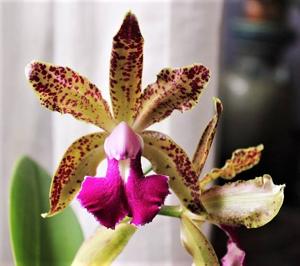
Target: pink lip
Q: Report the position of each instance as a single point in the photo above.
(110, 199)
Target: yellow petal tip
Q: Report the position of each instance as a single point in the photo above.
(48, 214)
(260, 147)
(218, 105)
(45, 215)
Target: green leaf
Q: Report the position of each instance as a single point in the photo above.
(37, 241)
(104, 246)
(196, 244)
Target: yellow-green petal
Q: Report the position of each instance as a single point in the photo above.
(126, 67)
(241, 160)
(196, 244)
(104, 246)
(207, 138)
(174, 89)
(80, 160)
(63, 90)
(167, 158)
(251, 203)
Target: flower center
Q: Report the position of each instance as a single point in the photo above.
(123, 143)
(124, 169)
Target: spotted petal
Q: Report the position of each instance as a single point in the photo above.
(81, 159)
(241, 160)
(251, 203)
(207, 138)
(169, 159)
(174, 89)
(196, 244)
(63, 90)
(126, 68)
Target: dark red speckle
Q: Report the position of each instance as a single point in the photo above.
(130, 28)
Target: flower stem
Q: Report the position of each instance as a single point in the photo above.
(171, 211)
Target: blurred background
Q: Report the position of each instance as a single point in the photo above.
(252, 48)
(259, 77)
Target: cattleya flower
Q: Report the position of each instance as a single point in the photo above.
(124, 191)
(251, 203)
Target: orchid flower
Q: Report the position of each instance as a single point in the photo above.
(251, 203)
(124, 191)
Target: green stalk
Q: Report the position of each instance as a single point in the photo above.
(171, 211)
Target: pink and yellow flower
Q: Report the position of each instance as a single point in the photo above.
(124, 191)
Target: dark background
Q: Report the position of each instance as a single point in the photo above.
(277, 243)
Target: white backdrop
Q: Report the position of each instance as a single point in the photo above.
(79, 34)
